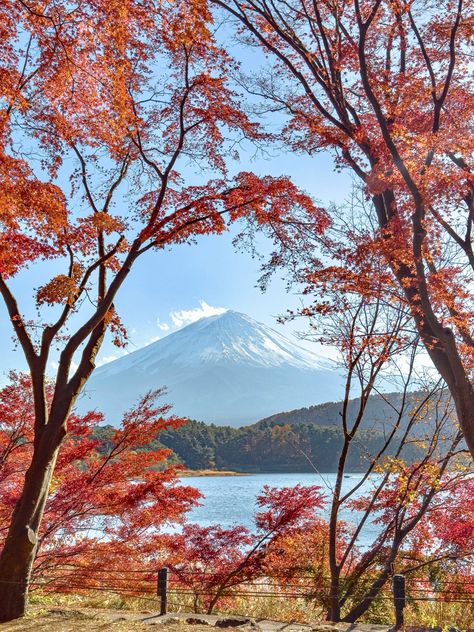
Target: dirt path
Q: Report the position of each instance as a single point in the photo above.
(64, 620)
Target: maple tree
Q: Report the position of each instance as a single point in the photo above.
(423, 543)
(211, 561)
(387, 86)
(108, 502)
(404, 493)
(103, 104)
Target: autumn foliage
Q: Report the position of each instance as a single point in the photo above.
(118, 125)
(108, 501)
(119, 129)
(212, 568)
(210, 561)
(387, 88)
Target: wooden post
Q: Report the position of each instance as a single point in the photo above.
(399, 595)
(162, 590)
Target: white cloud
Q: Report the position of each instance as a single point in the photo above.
(55, 366)
(180, 318)
(162, 326)
(187, 316)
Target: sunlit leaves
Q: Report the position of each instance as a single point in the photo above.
(108, 498)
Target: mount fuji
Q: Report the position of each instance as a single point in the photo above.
(224, 369)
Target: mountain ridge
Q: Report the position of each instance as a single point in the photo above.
(226, 368)
(250, 350)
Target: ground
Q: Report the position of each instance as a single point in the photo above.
(69, 620)
(90, 620)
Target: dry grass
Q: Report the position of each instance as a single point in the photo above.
(444, 615)
(108, 611)
(457, 616)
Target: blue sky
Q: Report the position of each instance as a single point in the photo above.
(167, 290)
(211, 275)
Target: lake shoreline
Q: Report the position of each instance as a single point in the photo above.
(193, 473)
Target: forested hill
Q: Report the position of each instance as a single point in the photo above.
(291, 442)
(273, 448)
(296, 448)
(380, 411)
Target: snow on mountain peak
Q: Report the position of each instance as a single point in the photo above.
(235, 337)
(225, 368)
(228, 338)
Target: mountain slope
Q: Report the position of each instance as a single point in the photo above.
(380, 411)
(222, 369)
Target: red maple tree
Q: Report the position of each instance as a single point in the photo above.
(104, 107)
(212, 561)
(353, 305)
(109, 499)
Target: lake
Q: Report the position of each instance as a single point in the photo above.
(230, 500)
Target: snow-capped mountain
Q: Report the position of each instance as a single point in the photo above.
(226, 369)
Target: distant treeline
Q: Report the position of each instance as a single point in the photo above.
(275, 448)
(266, 447)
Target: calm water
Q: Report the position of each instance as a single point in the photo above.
(230, 500)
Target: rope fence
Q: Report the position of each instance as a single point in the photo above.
(184, 588)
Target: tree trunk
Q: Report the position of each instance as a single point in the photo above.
(442, 349)
(462, 392)
(362, 607)
(19, 551)
(440, 342)
(334, 610)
